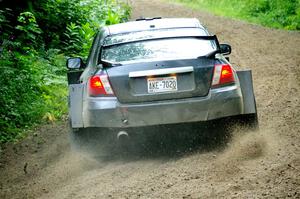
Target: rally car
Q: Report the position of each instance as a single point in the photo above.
(156, 71)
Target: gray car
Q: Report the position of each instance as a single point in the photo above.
(153, 72)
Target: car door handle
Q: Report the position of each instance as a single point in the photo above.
(164, 71)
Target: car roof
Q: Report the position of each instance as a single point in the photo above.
(153, 24)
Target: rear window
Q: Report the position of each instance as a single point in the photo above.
(162, 49)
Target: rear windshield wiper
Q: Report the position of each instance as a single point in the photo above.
(109, 63)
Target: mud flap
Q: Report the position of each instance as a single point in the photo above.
(75, 105)
(246, 83)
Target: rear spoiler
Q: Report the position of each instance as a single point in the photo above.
(148, 19)
(210, 37)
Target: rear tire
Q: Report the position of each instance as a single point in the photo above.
(93, 141)
(219, 132)
(249, 121)
(78, 139)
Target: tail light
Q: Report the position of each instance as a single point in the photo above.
(100, 86)
(223, 74)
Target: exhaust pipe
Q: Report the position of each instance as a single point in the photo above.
(122, 136)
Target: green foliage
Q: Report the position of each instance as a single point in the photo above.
(29, 30)
(87, 34)
(54, 23)
(272, 13)
(34, 41)
(29, 90)
(78, 36)
(73, 39)
(53, 17)
(5, 25)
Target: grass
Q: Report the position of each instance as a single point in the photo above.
(282, 14)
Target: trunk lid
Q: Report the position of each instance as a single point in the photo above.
(161, 80)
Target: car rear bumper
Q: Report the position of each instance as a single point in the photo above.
(108, 112)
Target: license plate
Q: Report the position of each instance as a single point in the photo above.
(162, 84)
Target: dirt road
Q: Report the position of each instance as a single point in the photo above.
(263, 164)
